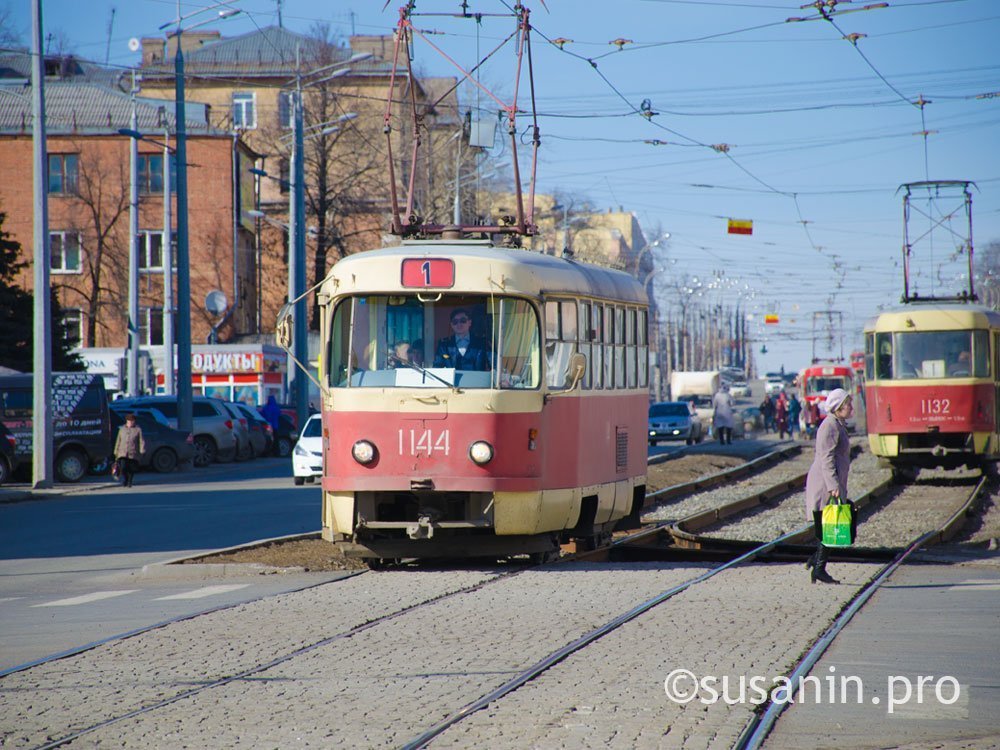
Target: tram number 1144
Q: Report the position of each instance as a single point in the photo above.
(935, 406)
(414, 442)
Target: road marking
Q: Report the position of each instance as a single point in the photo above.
(976, 585)
(203, 592)
(10, 598)
(86, 598)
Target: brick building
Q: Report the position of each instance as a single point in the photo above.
(89, 204)
(247, 83)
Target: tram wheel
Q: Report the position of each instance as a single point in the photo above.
(904, 474)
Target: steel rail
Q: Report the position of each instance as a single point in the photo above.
(559, 655)
(760, 725)
(278, 659)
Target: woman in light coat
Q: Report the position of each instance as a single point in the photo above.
(129, 448)
(828, 473)
(723, 418)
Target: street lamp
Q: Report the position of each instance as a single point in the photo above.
(185, 416)
(167, 259)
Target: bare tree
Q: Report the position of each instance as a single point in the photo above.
(101, 202)
(9, 36)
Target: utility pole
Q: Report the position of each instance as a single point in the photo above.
(133, 256)
(185, 415)
(297, 261)
(168, 270)
(42, 416)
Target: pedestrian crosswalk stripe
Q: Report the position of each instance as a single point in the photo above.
(204, 591)
(86, 598)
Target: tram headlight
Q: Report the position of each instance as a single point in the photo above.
(481, 452)
(363, 452)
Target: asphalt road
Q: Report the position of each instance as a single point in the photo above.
(71, 565)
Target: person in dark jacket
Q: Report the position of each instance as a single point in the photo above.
(129, 447)
(828, 474)
(462, 350)
(272, 413)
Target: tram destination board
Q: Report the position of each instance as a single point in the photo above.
(422, 273)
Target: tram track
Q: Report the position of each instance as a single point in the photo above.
(764, 717)
(255, 671)
(249, 670)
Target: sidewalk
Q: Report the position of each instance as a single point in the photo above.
(939, 622)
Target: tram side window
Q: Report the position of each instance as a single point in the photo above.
(560, 341)
(883, 344)
(597, 337)
(981, 354)
(585, 335)
(630, 351)
(619, 347)
(643, 349)
(609, 348)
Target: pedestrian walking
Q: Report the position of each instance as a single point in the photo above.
(129, 447)
(794, 410)
(781, 414)
(767, 412)
(827, 476)
(723, 418)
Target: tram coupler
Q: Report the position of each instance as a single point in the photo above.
(422, 529)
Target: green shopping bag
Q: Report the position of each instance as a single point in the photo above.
(837, 523)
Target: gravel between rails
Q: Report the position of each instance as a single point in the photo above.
(728, 493)
(57, 698)
(766, 522)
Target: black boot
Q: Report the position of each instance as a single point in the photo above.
(819, 566)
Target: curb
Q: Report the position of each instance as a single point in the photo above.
(180, 567)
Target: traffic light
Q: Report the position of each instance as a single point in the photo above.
(763, 349)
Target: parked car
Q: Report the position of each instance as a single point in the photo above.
(166, 447)
(307, 457)
(740, 389)
(751, 420)
(773, 386)
(675, 420)
(8, 446)
(241, 429)
(286, 437)
(213, 425)
(80, 421)
(261, 434)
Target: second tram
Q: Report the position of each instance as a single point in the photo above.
(479, 401)
(817, 380)
(932, 390)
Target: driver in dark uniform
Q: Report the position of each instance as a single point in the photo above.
(462, 350)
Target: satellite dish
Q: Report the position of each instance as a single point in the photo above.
(133, 45)
(216, 302)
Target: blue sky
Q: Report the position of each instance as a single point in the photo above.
(821, 130)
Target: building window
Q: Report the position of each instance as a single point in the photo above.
(72, 318)
(64, 251)
(244, 110)
(64, 173)
(151, 326)
(151, 250)
(284, 175)
(150, 169)
(286, 109)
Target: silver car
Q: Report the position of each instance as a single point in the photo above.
(213, 425)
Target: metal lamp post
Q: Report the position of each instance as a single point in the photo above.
(167, 259)
(185, 416)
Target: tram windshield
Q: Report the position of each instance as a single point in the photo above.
(934, 354)
(461, 341)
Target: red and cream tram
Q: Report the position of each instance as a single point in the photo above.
(479, 401)
(817, 380)
(933, 395)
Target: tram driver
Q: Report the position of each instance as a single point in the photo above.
(462, 350)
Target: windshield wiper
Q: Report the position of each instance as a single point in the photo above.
(422, 370)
